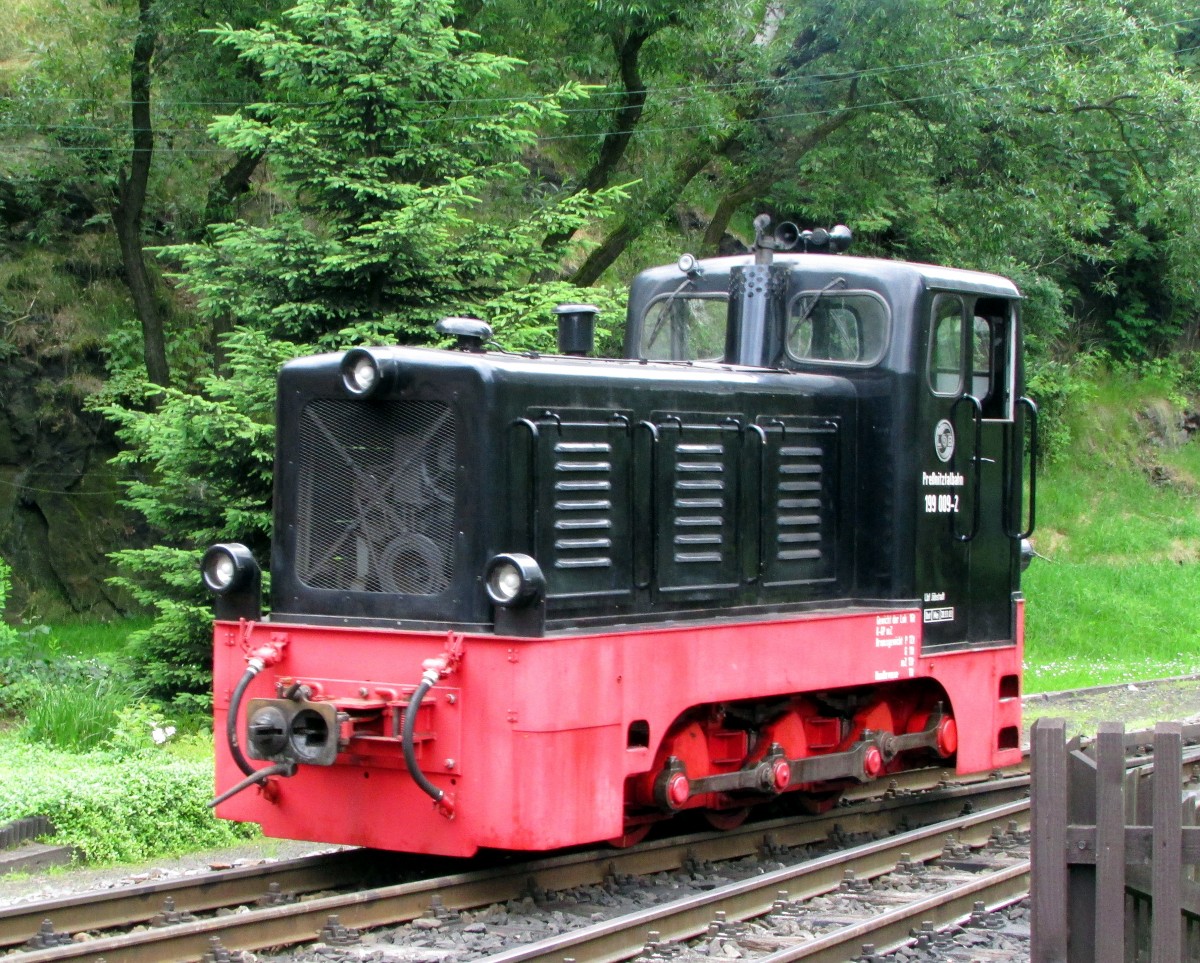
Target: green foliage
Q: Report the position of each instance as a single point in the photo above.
(523, 319)
(116, 807)
(403, 199)
(8, 635)
(25, 678)
(203, 463)
(78, 715)
(1060, 390)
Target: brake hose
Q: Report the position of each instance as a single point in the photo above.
(406, 740)
(235, 704)
(256, 775)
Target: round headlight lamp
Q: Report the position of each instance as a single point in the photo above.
(514, 580)
(362, 373)
(227, 568)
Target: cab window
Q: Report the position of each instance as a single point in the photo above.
(981, 359)
(843, 327)
(946, 346)
(684, 329)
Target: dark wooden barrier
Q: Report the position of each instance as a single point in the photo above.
(1114, 848)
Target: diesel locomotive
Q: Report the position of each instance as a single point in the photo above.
(524, 601)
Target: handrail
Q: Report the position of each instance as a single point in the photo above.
(531, 500)
(652, 492)
(760, 539)
(1010, 529)
(976, 459)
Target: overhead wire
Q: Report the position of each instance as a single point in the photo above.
(691, 90)
(1130, 29)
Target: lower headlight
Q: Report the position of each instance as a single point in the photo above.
(514, 580)
(228, 568)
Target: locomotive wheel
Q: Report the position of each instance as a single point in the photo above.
(726, 819)
(631, 837)
(818, 803)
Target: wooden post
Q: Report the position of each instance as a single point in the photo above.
(1048, 874)
(1166, 920)
(1110, 843)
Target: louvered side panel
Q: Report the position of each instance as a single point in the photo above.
(696, 479)
(584, 532)
(799, 503)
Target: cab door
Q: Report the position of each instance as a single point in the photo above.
(967, 558)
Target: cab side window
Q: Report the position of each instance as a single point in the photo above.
(992, 357)
(981, 359)
(946, 345)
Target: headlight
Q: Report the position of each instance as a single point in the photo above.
(228, 568)
(364, 374)
(514, 580)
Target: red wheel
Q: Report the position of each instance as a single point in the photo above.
(726, 819)
(631, 837)
(817, 803)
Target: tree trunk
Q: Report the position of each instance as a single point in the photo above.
(764, 180)
(728, 206)
(131, 200)
(647, 209)
(616, 141)
(232, 184)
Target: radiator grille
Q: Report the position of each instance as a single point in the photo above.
(376, 497)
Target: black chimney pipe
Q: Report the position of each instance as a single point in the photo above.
(576, 328)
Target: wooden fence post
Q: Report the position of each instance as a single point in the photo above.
(1048, 817)
(1110, 843)
(1167, 871)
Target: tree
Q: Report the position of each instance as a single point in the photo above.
(405, 199)
(400, 201)
(130, 199)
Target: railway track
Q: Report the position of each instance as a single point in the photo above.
(264, 919)
(786, 927)
(793, 905)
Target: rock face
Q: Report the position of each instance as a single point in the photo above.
(59, 515)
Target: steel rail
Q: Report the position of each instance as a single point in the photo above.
(282, 925)
(891, 930)
(624, 937)
(130, 905)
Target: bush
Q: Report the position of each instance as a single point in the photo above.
(114, 807)
(77, 715)
(1060, 389)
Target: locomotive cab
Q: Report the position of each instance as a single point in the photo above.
(774, 548)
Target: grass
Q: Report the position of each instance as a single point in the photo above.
(1118, 597)
(87, 638)
(78, 714)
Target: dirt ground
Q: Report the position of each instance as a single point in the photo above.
(1138, 706)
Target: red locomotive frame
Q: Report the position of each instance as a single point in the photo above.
(530, 738)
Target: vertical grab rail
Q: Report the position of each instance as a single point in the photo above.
(651, 509)
(977, 470)
(760, 539)
(532, 491)
(1013, 528)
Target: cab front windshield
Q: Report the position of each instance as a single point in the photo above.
(838, 327)
(677, 328)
